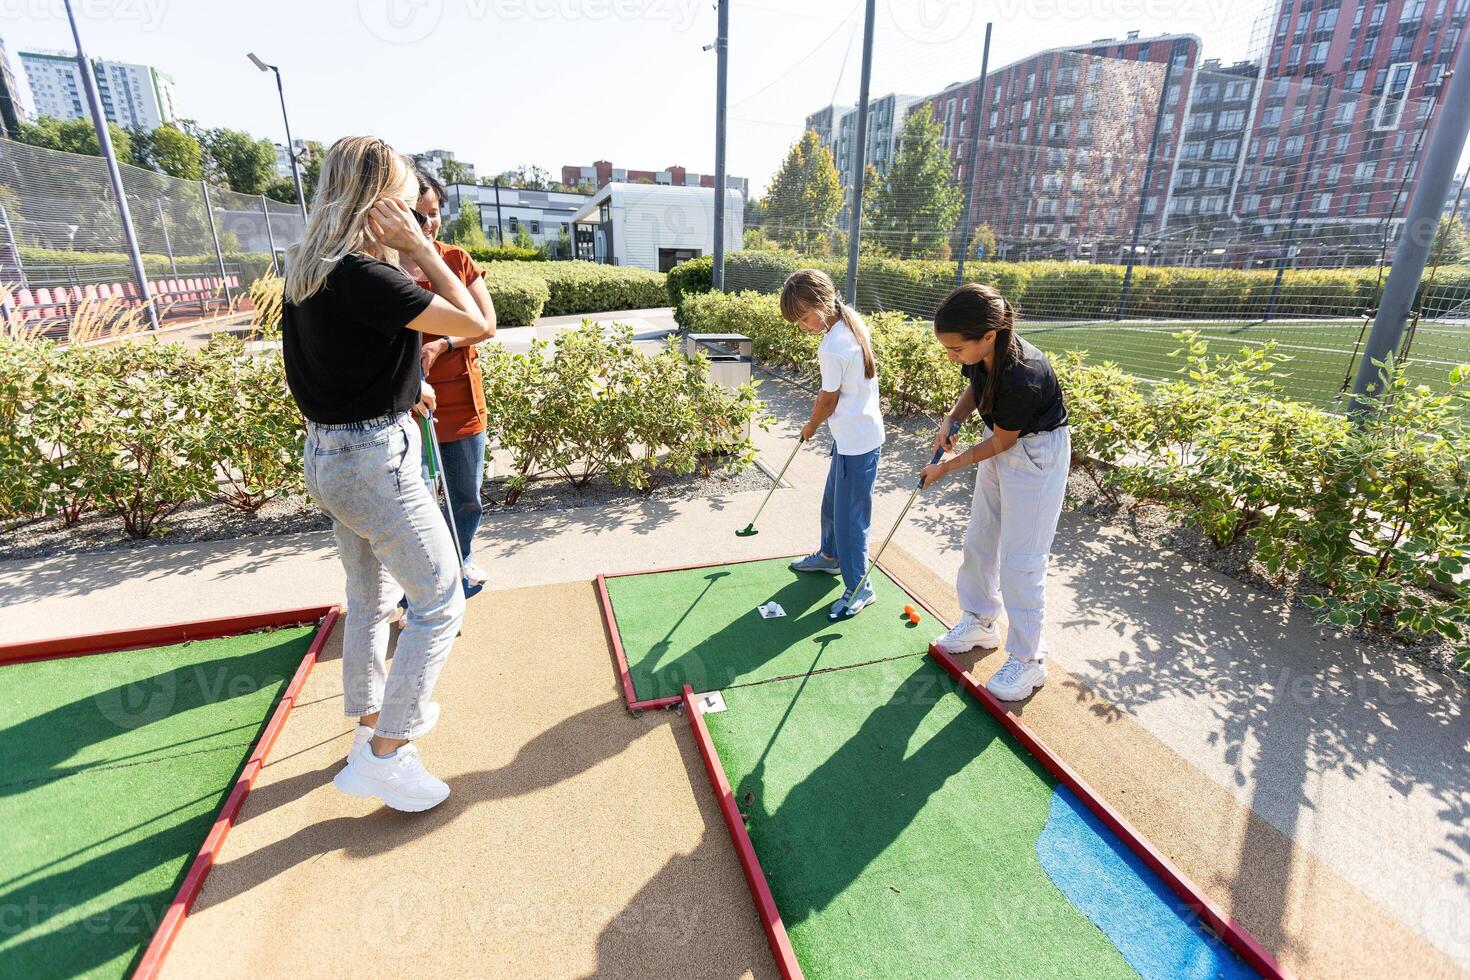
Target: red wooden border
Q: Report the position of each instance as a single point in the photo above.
(84, 644)
(173, 918)
(615, 640)
(1235, 936)
(202, 629)
(755, 875)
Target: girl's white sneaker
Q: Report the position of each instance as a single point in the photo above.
(1017, 680)
(970, 632)
(400, 780)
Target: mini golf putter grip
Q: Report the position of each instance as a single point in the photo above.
(954, 430)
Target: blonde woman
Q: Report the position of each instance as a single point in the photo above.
(849, 404)
(350, 331)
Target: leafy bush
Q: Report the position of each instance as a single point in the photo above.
(506, 253)
(519, 298)
(254, 438)
(687, 278)
(598, 406)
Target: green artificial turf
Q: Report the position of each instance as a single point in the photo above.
(115, 768)
(700, 627)
(897, 825)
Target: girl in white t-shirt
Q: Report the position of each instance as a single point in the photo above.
(849, 405)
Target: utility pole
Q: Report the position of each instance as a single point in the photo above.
(1419, 231)
(860, 158)
(104, 140)
(972, 159)
(722, 66)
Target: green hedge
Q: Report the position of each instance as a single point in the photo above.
(506, 253)
(252, 264)
(519, 297)
(1083, 291)
(572, 287)
(1224, 449)
(693, 276)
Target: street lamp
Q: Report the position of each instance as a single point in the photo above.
(290, 147)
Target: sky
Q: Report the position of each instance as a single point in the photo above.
(503, 83)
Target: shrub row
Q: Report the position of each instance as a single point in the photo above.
(506, 253)
(1077, 290)
(139, 429)
(1375, 514)
(565, 288)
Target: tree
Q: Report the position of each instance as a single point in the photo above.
(1451, 242)
(523, 237)
(982, 237)
(169, 150)
(451, 171)
(918, 202)
(75, 136)
(234, 159)
(465, 229)
(527, 177)
(801, 205)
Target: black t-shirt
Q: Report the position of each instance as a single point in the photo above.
(1028, 399)
(348, 358)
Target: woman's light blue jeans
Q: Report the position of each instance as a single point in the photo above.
(367, 477)
(847, 512)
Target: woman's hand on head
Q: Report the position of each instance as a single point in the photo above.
(394, 225)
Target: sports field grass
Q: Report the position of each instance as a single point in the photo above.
(1321, 351)
(115, 767)
(700, 626)
(904, 833)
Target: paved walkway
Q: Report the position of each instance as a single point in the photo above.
(1352, 764)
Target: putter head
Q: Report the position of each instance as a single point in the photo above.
(747, 531)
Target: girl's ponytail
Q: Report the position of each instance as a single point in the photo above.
(972, 311)
(864, 337)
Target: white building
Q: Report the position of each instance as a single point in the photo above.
(544, 215)
(434, 160)
(131, 95)
(655, 227)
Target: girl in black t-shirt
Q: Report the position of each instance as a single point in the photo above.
(1020, 480)
(350, 330)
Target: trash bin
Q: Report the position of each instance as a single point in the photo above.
(730, 356)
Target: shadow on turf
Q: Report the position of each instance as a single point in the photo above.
(44, 743)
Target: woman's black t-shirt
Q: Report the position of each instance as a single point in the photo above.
(1028, 398)
(348, 356)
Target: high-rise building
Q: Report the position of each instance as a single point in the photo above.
(1347, 94)
(131, 95)
(1217, 125)
(824, 121)
(602, 172)
(434, 160)
(886, 114)
(1064, 142)
(12, 112)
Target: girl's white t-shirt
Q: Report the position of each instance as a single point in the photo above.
(857, 424)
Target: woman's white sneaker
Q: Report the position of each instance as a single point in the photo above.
(970, 632)
(365, 732)
(1017, 680)
(400, 780)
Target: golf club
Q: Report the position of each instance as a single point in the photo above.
(436, 474)
(954, 428)
(749, 529)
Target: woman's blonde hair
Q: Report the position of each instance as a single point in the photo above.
(813, 289)
(357, 172)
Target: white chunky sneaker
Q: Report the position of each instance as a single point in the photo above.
(473, 572)
(400, 780)
(970, 632)
(1017, 680)
(365, 732)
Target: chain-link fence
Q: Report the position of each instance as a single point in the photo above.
(1123, 191)
(63, 256)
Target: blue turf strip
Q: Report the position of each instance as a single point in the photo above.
(1134, 908)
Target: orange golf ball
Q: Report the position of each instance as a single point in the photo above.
(914, 618)
(908, 610)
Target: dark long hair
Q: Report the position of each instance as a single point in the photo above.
(428, 182)
(972, 311)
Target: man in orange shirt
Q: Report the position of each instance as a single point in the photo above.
(453, 372)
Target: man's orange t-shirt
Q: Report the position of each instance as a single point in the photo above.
(455, 375)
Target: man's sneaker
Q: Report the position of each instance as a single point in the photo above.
(1017, 680)
(817, 562)
(473, 572)
(365, 732)
(400, 780)
(970, 632)
(850, 605)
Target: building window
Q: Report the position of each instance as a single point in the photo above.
(1390, 109)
